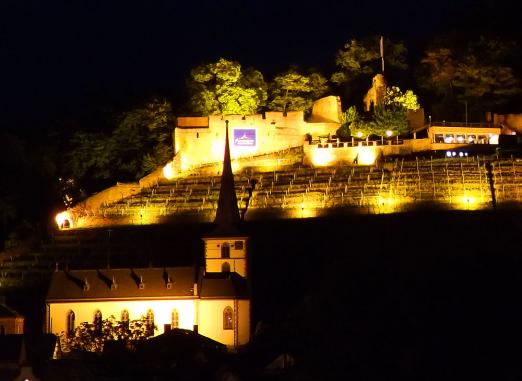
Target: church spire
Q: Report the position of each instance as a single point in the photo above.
(227, 215)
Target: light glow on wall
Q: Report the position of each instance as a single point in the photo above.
(470, 202)
(366, 155)
(185, 164)
(64, 219)
(322, 157)
(235, 166)
(168, 171)
(388, 204)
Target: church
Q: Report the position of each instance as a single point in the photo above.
(213, 301)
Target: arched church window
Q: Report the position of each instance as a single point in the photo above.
(125, 317)
(69, 326)
(225, 250)
(150, 322)
(175, 319)
(228, 318)
(98, 322)
(225, 267)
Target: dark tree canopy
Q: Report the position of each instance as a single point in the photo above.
(140, 142)
(363, 58)
(480, 73)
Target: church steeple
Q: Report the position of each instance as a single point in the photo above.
(227, 215)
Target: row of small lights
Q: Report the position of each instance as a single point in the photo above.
(455, 154)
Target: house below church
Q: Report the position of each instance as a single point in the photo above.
(11, 322)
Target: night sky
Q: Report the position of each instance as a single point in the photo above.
(63, 59)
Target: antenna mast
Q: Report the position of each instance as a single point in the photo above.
(382, 53)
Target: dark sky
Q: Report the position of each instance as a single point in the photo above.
(64, 57)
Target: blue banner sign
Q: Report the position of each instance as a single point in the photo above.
(245, 137)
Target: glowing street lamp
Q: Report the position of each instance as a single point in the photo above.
(359, 134)
(389, 133)
(64, 220)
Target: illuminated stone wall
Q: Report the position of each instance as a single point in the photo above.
(367, 153)
(201, 140)
(416, 119)
(512, 121)
(327, 109)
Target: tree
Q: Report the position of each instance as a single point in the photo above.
(359, 60)
(87, 338)
(489, 84)
(350, 120)
(293, 91)
(389, 121)
(397, 99)
(477, 72)
(223, 88)
(140, 143)
(23, 165)
(440, 67)
(362, 58)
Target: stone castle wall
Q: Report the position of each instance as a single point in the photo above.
(201, 140)
(512, 121)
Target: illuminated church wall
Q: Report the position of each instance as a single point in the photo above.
(213, 327)
(209, 318)
(84, 312)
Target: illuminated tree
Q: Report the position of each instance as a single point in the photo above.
(350, 120)
(389, 121)
(395, 98)
(86, 338)
(293, 91)
(223, 88)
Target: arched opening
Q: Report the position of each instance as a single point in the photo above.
(150, 322)
(69, 326)
(125, 317)
(228, 318)
(225, 267)
(98, 322)
(175, 319)
(225, 250)
(2, 330)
